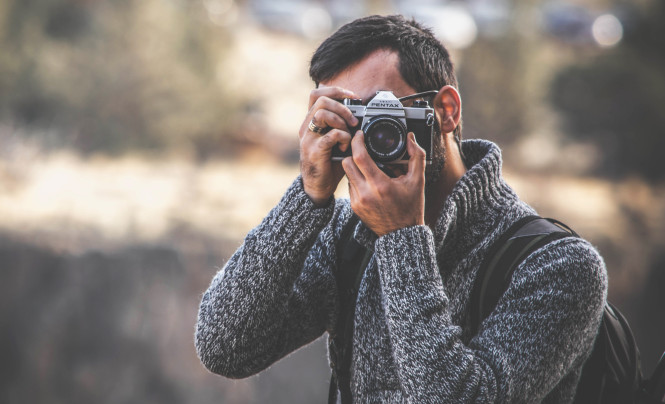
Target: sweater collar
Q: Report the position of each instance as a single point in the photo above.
(477, 196)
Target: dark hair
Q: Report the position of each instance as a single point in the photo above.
(424, 62)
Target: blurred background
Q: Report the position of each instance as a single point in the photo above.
(140, 141)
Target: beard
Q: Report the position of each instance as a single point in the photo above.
(433, 171)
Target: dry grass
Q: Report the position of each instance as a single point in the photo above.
(76, 204)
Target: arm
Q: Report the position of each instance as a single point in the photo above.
(542, 327)
(268, 300)
(263, 304)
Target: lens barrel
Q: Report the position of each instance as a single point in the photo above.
(385, 138)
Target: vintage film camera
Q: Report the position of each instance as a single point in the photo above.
(386, 122)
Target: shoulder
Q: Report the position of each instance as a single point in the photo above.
(570, 265)
(568, 252)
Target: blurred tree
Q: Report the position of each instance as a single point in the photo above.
(501, 79)
(115, 76)
(494, 96)
(616, 100)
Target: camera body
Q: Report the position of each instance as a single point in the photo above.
(386, 123)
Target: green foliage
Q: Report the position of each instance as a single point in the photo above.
(494, 94)
(617, 100)
(113, 76)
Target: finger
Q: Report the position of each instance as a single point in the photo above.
(354, 175)
(328, 104)
(416, 158)
(353, 197)
(365, 164)
(332, 138)
(327, 119)
(333, 92)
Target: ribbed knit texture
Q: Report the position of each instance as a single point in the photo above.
(411, 342)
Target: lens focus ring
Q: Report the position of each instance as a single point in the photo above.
(385, 138)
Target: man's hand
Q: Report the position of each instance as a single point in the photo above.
(320, 176)
(386, 204)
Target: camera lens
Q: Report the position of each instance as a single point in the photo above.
(384, 141)
(385, 138)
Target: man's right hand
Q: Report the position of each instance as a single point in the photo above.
(320, 175)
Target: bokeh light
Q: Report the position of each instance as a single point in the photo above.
(316, 22)
(607, 30)
(456, 27)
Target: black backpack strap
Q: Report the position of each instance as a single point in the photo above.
(653, 389)
(352, 259)
(612, 373)
(521, 239)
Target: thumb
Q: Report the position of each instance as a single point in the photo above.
(416, 157)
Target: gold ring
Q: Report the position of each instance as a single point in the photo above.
(314, 127)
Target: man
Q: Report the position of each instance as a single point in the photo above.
(429, 226)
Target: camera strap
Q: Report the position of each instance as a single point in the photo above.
(352, 259)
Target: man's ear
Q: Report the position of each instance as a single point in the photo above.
(448, 108)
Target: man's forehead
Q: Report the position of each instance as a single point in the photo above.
(379, 71)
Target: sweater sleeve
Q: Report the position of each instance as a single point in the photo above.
(544, 324)
(266, 301)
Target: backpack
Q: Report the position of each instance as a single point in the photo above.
(611, 374)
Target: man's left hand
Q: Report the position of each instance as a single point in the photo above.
(383, 203)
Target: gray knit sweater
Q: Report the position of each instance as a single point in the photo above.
(277, 293)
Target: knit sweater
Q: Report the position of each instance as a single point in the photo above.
(410, 342)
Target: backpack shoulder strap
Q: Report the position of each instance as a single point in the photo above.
(521, 239)
(653, 390)
(612, 373)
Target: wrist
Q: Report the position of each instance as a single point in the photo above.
(387, 230)
(319, 199)
(320, 202)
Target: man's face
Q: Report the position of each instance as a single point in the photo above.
(379, 71)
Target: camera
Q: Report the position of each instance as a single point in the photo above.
(386, 123)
